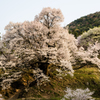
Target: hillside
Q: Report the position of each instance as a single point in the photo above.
(86, 77)
(84, 23)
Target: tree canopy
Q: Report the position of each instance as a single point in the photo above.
(84, 23)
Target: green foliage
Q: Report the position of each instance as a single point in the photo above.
(95, 32)
(83, 24)
(90, 37)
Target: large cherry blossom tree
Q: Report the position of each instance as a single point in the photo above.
(36, 44)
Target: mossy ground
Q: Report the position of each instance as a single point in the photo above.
(54, 90)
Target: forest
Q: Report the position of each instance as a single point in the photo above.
(84, 23)
(40, 59)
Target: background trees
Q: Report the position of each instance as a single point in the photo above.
(84, 24)
(89, 37)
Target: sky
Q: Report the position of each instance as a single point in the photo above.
(25, 10)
